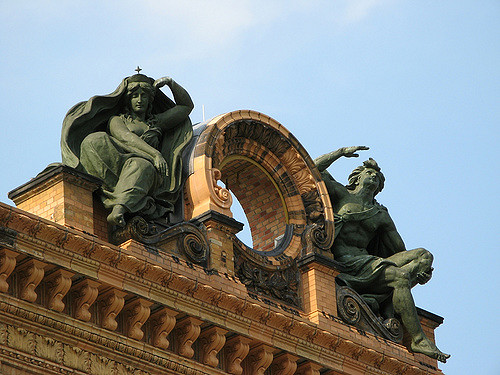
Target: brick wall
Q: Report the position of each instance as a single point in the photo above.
(260, 200)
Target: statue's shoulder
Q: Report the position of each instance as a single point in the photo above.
(381, 207)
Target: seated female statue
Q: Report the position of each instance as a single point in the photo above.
(132, 139)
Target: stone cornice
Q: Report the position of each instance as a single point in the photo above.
(20, 315)
(51, 175)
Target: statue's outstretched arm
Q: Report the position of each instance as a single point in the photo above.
(324, 161)
(182, 109)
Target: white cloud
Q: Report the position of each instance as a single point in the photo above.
(358, 10)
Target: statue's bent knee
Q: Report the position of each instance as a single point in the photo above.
(94, 140)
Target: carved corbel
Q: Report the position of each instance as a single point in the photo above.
(162, 321)
(31, 273)
(188, 331)
(137, 312)
(59, 283)
(259, 359)
(7, 265)
(86, 293)
(237, 349)
(309, 368)
(112, 303)
(284, 364)
(211, 342)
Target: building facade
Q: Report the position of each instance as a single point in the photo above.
(191, 298)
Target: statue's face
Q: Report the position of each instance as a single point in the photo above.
(139, 101)
(369, 178)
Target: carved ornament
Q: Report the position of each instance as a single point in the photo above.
(163, 321)
(7, 265)
(111, 304)
(85, 294)
(237, 349)
(188, 331)
(259, 359)
(211, 342)
(59, 283)
(355, 311)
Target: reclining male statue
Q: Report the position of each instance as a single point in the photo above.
(374, 260)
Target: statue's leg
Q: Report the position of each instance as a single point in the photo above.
(415, 262)
(404, 305)
(131, 192)
(137, 179)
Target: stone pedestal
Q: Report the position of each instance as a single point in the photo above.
(65, 196)
(219, 230)
(318, 287)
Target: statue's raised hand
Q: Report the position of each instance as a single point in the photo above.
(160, 82)
(350, 152)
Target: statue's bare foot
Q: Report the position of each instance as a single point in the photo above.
(427, 347)
(117, 215)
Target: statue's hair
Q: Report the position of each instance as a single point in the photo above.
(150, 90)
(354, 176)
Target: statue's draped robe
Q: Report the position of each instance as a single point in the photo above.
(362, 272)
(129, 178)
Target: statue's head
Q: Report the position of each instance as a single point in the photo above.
(365, 171)
(140, 84)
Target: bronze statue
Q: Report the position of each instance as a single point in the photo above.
(132, 139)
(371, 253)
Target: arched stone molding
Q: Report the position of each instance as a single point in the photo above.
(276, 182)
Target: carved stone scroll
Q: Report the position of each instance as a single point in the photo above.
(137, 312)
(7, 265)
(163, 321)
(31, 273)
(237, 349)
(222, 196)
(59, 283)
(112, 303)
(211, 342)
(188, 331)
(259, 359)
(284, 364)
(86, 293)
(354, 310)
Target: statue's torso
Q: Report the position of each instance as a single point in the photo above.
(136, 126)
(360, 224)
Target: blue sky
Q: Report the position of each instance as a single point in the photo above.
(417, 81)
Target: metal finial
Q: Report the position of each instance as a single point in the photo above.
(138, 70)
